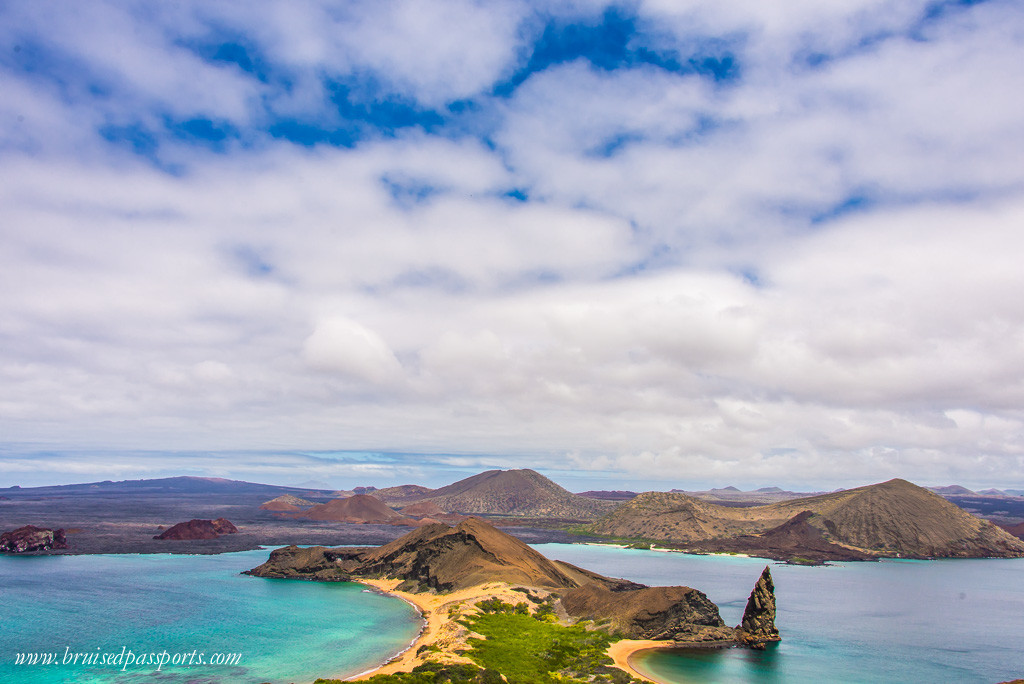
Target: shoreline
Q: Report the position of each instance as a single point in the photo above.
(622, 652)
(440, 635)
(441, 630)
(412, 644)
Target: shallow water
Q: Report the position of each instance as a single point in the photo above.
(892, 621)
(285, 630)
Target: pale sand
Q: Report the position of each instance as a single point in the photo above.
(439, 612)
(621, 651)
(440, 628)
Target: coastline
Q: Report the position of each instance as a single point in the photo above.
(441, 635)
(622, 652)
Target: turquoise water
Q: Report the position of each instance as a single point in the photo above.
(286, 631)
(892, 621)
(895, 621)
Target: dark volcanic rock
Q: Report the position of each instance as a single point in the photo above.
(198, 529)
(758, 625)
(31, 538)
(677, 613)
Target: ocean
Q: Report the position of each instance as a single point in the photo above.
(285, 631)
(893, 621)
(890, 621)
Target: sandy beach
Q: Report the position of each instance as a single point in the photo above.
(441, 635)
(621, 651)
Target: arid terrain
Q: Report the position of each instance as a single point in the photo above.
(894, 518)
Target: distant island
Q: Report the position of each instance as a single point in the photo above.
(455, 575)
(894, 519)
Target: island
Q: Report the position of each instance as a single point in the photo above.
(473, 580)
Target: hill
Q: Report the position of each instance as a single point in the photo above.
(286, 503)
(164, 485)
(524, 493)
(198, 529)
(475, 555)
(894, 518)
(434, 558)
(401, 493)
(360, 508)
(952, 490)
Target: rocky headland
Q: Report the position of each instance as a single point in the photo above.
(30, 538)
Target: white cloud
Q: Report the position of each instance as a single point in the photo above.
(343, 346)
(662, 301)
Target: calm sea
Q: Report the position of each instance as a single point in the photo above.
(892, 621)
(895, 621)
(286, 631)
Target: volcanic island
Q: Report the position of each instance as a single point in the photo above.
(472, 581)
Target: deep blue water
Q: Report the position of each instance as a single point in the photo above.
(286, 631)
(892, 621)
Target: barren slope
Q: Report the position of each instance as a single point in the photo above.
(894, 518)
(358, 509)
(524, 493)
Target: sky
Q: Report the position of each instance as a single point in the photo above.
(646, 244)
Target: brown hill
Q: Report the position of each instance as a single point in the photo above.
(286, 502)
(361, 508)
(894, 518)
(422, 509)
(438, 558)
(524, 493)
(198, 529)
(401, 493)
(796, 539)
(434, 557)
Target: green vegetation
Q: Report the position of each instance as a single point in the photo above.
(433, 673)
(527, 650)
(519, 648)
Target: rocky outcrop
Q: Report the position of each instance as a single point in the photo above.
(676, 613)
(758, 624)
(198, 529)
(30, 538)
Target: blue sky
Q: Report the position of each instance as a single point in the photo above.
(651, 242)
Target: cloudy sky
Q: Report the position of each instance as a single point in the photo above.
(686, 243)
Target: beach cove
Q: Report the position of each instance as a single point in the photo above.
(898, 621)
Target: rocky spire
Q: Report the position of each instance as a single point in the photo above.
(758, 624)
